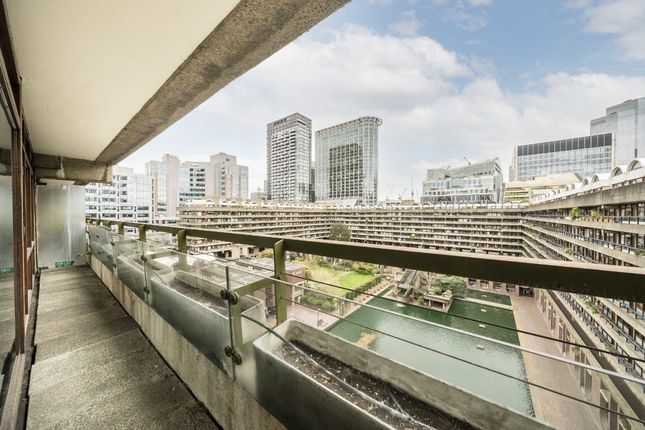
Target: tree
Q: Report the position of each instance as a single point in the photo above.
(340, 232)
(575, 213)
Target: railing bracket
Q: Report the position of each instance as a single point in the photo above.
(235, 356)
(233, 297)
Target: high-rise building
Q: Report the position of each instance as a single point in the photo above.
(347, 161)
(476, 183)
(128, 197)
(229, 179)
(627, 122)
(165, 186)
(289, 158)
(585, 155)
(192, 181)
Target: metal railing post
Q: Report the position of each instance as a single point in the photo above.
(182, 244)
(182, 247)
(280, 289)
(142, 233)
(234, 321)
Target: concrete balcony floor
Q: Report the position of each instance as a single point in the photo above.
(95, 369)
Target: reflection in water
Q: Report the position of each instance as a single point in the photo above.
(503, 390)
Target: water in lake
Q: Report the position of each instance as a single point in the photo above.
(501, 389)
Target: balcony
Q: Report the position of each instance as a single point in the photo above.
(248, 337)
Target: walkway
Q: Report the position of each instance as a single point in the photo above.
(485, 302)
(95, 369)
(549, 407)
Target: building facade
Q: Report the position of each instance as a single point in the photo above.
(585, 155)
(528, 191)
(229, 179)
(192, 181)
(627, 122)
(128, 197)
(289, 158)
(347, 161)
(476, 183)
(165, 187)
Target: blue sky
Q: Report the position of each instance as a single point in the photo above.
(450, 79)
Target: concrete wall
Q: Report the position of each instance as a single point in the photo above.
(231, 406)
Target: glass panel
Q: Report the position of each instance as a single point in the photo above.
(101, 244)
(61, 225)
(7, 321)
(186, 292)
(129, 266)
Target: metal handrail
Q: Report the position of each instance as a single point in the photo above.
(594, 279)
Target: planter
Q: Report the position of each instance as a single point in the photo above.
(299, 400)
(196, 310)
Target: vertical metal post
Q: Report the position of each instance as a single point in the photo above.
(142, 233)
(279, 288)
(182, 244)
(182, 247)
(234, 322)
(17, 180)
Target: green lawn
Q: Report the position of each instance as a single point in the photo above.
(354, 280)
(338, 276)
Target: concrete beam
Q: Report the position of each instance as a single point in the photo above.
(63, 168)
(620, 195)
(252, 32)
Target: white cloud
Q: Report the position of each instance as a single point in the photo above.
(625, 19)
(437, 106)
(479, 2)
(407, 25)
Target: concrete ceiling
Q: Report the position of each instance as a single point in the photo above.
(89, 66)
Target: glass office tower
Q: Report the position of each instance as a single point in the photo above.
(627, 122)
(347, 162)
(476, 183)
(289, 158)
(583, 155)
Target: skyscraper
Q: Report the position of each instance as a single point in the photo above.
(229, 179)
(347, 161)
(289, 158)
(627, 122)
(585, 155)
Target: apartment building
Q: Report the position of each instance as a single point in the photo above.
(192, 181)
(528, 191)
(165, 186)
(127, 197)
(347, 162)
(229, 179)
(289, 158)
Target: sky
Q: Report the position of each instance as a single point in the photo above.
(449, 78)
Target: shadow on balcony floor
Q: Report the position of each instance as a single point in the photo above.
(95, 369)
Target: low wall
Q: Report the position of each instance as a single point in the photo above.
(230, 405)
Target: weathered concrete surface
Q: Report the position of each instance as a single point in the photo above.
(227, 401)
(95, 369)
(251, 32)
(632, 193)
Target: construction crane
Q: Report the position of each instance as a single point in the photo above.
(467, 161)
(403, 192)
